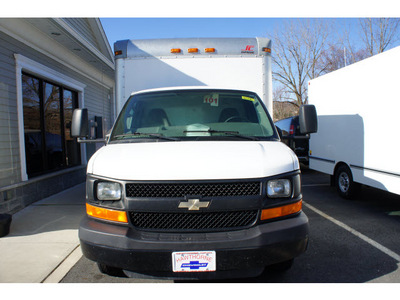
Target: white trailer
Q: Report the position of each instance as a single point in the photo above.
(238, 63)
(357, 117)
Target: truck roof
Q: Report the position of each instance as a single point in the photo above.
(257, 46)
(181, 88)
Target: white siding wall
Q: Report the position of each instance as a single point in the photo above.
(96, 99)
(82, 26)
(9, 140)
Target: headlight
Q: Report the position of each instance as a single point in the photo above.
(278, 188)
(108, 191)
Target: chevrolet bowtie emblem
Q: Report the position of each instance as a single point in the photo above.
(194, 204)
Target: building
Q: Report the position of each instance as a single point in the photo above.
(48, 67)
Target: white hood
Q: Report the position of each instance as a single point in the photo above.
(192, 160)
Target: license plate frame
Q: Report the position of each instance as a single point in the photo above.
(194, 261)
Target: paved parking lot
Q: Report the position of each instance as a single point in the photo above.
(351, 241)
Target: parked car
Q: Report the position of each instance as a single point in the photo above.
(289, 130)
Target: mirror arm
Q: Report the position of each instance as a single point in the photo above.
(89, 141)
(297, 137)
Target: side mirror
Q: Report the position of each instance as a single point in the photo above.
(80, 123)
(308, 119)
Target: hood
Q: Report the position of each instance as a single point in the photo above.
(208, 160)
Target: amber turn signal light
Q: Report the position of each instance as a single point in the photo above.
(209, 50)
(281, 211)
(106, 214)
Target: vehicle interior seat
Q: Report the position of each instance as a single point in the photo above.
(156, 117)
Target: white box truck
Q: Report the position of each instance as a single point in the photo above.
(193, 181)
(357, 115)
(241, 63)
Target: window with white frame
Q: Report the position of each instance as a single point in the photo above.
(41, 91)
(47, 115)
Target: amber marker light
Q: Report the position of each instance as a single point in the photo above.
(209, 50)
(106, 214)
(193, 50)
(118, 52)
(176, 50)
(276, 212)
(268, 50)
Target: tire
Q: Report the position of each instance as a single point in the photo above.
(111, 271)
(345, 185)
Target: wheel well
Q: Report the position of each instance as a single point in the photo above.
(352, 187)
(338, 165)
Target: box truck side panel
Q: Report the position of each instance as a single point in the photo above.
(357, 116)
(230, 72)
(240, 63)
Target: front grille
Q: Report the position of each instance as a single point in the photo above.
(193, 221)
(171, 190)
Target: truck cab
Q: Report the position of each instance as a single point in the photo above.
(195, 183)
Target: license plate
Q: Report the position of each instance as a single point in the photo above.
(194, 261)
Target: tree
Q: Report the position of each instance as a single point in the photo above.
(377, 36)
(339, 55)
(379, 33)
(297, 52)
(307, 48)
(283, 106)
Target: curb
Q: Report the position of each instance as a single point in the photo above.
(64, 267)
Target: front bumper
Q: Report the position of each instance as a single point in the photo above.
(242, 253)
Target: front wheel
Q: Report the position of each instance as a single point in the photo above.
(345, 185)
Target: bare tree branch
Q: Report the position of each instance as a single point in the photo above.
(379, 33)
(297, 54)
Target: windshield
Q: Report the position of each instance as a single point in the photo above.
(194, 115)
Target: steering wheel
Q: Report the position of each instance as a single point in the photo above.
(236, 118)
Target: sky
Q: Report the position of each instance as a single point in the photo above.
(152, 19)
(202, 8)
(145, 19)
(154, 28)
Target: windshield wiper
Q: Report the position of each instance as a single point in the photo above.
(231, 133)
(155, 135)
